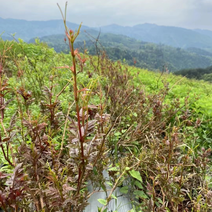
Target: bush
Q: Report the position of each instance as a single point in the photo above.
(62, 125)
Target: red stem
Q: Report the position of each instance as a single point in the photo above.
(81, 138)
(6, 158)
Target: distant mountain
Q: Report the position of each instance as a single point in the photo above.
(172, 36)
(167, 35)
(29, 29)
(6, 37)
(199, 51)
(129, 43)
(204, 32)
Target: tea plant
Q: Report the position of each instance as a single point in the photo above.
(53, 154)
(66, 118)
(150, 145)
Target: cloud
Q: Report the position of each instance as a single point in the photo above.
(185, 13)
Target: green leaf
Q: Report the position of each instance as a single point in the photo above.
(135, 114)
(95, 170)
(136, 175)
(114, 197)
(138, 184)
(113, 169)
(160, 200)
(123, 131)
(109, 183)
(102, 201)
(124, 190)
(103, 187)
(100, 209)
(117, 134)
(140, 194)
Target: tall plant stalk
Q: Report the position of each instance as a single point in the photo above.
(71, 38)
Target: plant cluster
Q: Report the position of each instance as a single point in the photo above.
(62, 125)
(154, 136)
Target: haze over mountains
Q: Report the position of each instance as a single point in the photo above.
(173, 36)
(30, 29)
(151, 45)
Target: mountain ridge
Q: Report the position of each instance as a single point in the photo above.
(147, 43)
(147, 55)
(147, 32)
(168, 35)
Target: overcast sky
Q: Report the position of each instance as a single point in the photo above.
(183, 13)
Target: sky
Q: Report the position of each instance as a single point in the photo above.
(190, 14)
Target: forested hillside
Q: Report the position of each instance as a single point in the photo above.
(67, 117)
(147, 45)
(106, 119)
(168, 35)
(134, 52)
(197, 73)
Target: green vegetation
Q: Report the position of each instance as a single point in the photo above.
(67, 117)
(168, 46)
(197, 73)
(147, 55)
(199, 51)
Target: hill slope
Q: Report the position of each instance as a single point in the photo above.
(146, 55)
(197, 73)
(143, 123)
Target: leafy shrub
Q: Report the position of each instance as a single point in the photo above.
(151, 137)
(86, 115)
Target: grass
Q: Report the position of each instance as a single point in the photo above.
(66, 118)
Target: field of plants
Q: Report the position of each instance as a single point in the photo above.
(64, 118)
